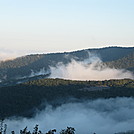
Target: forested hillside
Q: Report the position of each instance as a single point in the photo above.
(117, 57)
(126, 62)
(23, 99)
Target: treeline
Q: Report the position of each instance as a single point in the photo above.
(68, 130)
(106, 83)
(127, 132)
(22, 99)
(3, 130)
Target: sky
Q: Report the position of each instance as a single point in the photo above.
(42, 26)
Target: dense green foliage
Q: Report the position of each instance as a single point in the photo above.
(22, 66)
(22, 99)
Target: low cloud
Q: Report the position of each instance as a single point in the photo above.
(89, 69)
(42, 71)
(103, 116)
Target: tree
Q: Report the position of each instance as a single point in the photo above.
(51, 131)
(69, 130)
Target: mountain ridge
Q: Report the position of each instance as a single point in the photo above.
(22, 66)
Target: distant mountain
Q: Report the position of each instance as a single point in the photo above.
(117, 57)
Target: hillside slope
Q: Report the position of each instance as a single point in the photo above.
(23, 66)
(126, 62)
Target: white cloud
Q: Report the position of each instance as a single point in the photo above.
(89, 69)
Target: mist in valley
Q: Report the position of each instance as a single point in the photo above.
(103, 116)
(91, 68)
(67, 63)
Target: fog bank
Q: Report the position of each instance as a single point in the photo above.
(103, 116)
(89, 69)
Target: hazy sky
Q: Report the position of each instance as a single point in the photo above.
(64, 25)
